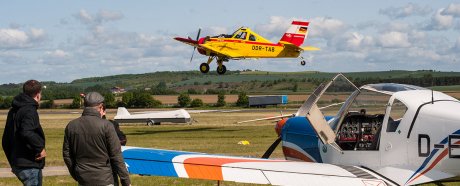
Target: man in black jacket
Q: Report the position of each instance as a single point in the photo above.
(23, 139)
(91, 148)
(116, 125)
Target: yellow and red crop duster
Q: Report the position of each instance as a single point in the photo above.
(245, 43)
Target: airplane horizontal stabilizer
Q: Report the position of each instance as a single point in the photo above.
(310, 48)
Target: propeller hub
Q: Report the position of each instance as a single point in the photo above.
(279, 125)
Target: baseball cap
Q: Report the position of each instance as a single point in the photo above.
(93, 99)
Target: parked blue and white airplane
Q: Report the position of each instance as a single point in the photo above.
(383, 134)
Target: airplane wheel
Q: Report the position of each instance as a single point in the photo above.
(221, 70)
(204, 68)
(302, 63)
(150, 123)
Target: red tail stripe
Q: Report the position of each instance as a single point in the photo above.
(302, 23)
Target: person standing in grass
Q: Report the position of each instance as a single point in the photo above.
(91, 149)
(116, 125)
(23, 139)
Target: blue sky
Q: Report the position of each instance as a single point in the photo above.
(66, 40)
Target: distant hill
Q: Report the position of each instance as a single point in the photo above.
(255, 82)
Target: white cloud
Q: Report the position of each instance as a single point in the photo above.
(440, 22)
(105, 15)
(15, 38)
(57, 53)
(37, 34)
(326, 27)
(452, 9)
(394, 40)
(84, 16)
(410, 9)
(100, 17)
(275, 28)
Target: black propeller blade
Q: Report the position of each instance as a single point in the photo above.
(194, 48)
(271, 148)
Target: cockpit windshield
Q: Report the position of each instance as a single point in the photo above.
(335, 96)
(241, 35)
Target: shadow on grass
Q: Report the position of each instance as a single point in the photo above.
(214, 129)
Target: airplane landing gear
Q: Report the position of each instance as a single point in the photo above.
(204, 68)
(221, 69)
(302, 61)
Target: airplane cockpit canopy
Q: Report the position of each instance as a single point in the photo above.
(390, 88)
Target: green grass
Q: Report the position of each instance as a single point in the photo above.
(214, 133)
(446, 88)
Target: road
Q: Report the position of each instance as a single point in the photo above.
(47, 171)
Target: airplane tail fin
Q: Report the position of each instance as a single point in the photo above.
(296, 33)
(122, 111)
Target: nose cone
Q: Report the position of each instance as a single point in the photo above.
(279, 125)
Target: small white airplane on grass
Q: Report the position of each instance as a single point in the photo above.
(383, 134)
(153, 118)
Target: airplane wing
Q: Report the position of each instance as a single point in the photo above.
(156, 162)
(219, 50)
(222, 50)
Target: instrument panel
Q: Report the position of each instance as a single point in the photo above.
(359, 131)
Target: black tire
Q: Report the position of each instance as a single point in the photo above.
(221, 70)
(150, 122)
(302, 63)
(204, 68)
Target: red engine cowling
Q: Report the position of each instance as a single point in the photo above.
(202, 41)
(279, 125)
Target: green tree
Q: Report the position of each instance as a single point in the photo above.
(47, 104)
(76, 102)
(221, 99)
(8, 102)
(109, 100)
(183, 99)
(295, 88)
(1, 102)
(97, 88)
(196, 103)
(162, 85)
(192, 91)
(142, 100)
(243, 100)
(127, 99)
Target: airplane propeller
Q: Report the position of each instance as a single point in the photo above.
(300, 111)
(272, 148)
(194, 48)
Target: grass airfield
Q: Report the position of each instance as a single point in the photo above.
(212, 132)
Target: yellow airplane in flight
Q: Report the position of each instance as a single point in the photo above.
(245, 43)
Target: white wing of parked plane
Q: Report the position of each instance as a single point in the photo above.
(157, 162)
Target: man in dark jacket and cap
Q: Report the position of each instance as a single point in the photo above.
(23, 139)
(91, 148)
